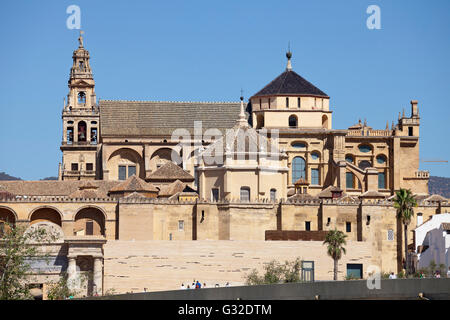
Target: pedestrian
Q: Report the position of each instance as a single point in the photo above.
(182, 286)
(217, 285)
(438, 274)
(392, 276)
(198, 285)
(448, 272)
(227, 284)
(188, 287)
(204, 285)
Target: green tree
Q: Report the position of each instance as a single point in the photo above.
(335, 241)
(17, 249)
(404, 202)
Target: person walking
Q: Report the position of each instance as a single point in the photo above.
(182, 286)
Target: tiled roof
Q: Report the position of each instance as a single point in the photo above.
(170, 171)
(55, 188)
(301, 181)
(436, 197)
(123, 118)
(372, 194)
(289, 82)
(328, 192)
(134, 183)
(300, 197)
(173, 188)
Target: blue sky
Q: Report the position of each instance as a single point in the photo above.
(209, 50)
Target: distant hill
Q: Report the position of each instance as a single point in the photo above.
(50, 178)
(4, 176)
(439, 185)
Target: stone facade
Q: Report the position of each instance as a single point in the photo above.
(169, 223)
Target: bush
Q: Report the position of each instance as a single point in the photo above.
(275, 272)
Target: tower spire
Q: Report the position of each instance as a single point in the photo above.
(289, 56)
(242, 122)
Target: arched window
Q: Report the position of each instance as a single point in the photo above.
(365, 148)
(324, 122)
(381, 159)
(81, 97)
(349, 158)
(81, 131)
(293, 121)
(315, 155)
(364, 164)
(259, 121)
(298, 168)
(245, 194)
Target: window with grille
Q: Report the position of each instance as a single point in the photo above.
(348, 226)
(89, 166)
(390, 235)
(298, 169)
(131, 171)
(180, 225)
(315, 176)
(273, 194)
(74, 166)
(245, 194)
(122, 172)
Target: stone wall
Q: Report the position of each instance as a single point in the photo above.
(164, 265)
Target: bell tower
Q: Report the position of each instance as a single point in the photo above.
(81, 119)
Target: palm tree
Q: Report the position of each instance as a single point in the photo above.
(335, 241)
(404, 201)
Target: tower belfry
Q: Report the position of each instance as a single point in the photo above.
(80, 120)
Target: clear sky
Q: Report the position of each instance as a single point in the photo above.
(209, 50)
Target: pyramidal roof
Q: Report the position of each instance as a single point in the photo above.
(170, 171)
(289, 82)
(134, 183)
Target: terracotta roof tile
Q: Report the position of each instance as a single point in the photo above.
(170, 171)
(134, 183)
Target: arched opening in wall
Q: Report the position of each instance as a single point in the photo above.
(124, 163)
(81, 97)
(349, 158)
(364, 164)
(81, 131)
(89, 222)
(259, 121)
(293, 121)
(298, 169)
(46, 214)
(324, 122)
(162, 155)
(7, 220)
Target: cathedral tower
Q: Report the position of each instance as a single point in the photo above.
(80, 121)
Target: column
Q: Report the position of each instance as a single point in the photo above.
(72, 272)
(98, 276)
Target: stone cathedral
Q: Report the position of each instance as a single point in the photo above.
(143, 211)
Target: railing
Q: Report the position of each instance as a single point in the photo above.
(422, 174)
(78, 143)
(369, 133)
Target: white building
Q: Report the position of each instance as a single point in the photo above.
(433, 241)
